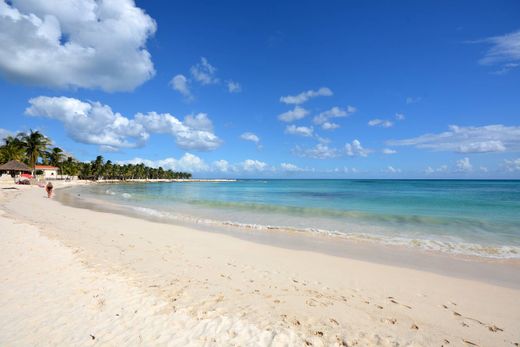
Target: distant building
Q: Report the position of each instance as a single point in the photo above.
(48, 171)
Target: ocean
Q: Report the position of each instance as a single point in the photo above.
(469, 217)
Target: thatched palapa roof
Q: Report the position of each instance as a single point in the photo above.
(15, 165)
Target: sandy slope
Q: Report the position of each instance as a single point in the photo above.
(72, 273)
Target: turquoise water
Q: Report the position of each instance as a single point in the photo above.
(466, 217)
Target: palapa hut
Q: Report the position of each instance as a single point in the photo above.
(14, 167)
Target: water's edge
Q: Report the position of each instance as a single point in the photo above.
(502, 272)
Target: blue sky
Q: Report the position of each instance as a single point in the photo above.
(268, 88)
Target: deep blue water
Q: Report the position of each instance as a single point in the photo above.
(461, 216)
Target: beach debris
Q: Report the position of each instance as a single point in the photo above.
(469, 342)
(494, 328)
(333, 321)
(92, 337)
(308, 343)
(414, 326)
(318, 333)
(457, 314)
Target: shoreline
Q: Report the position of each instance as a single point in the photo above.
(499, 271)
(295, 294)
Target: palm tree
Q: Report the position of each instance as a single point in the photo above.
(12, 150)
(55, 156)
(35, 144)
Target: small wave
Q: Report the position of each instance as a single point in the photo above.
(450, 247)
(109, 192)
(126, 195)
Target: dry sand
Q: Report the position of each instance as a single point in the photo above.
(73, 276)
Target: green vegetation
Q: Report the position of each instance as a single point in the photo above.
(35, 148)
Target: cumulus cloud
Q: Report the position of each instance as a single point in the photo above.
(489, 138)
(198, 136)
(512, 164)
(294, 114)
(288, 167)
(391, 169)
(188, 162)
(181, 84)
(329, 126)
(356, 149)
(248, 136)
(83, 44)
(429, 170)
(335, 112)
(504, 51)
(250, 165)
(222, 165)
(204, 72)
(95, 123)
(192, 163)
(199, 121)
(301, 131)
(304, 96)
(464, 165)
(389, 151)
(320, 151)
(234, 87)
(380, 123)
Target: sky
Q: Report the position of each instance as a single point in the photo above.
(274, 89)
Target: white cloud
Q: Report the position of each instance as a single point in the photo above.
(380, 123)
(248, 136)
(83, 44)
(413, 99)
(329, 126)
(440, 169)
(181, 84)
(389, 151)
(197, 136)
(234, 87)
(489, 138)
(90, 122)
(250, 165)
(335, 112)
(304, 96)
(188, 162)
(4, 133)
(464, 165)
(204, 72)
(222, 165)
(199, 121)
(504, 51)
(288, 167)
(95, 123)
(484, 169)
(400, 116)
(356, 149)
(320, 151)
(294, 114)
(391, 169)
(512, 164)
(301, 131)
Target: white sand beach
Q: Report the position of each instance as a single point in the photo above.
(73, 276)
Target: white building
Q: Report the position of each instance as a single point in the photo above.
(48, 171)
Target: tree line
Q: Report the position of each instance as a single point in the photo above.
(35, 148)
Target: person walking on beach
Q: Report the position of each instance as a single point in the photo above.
(49, 188)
